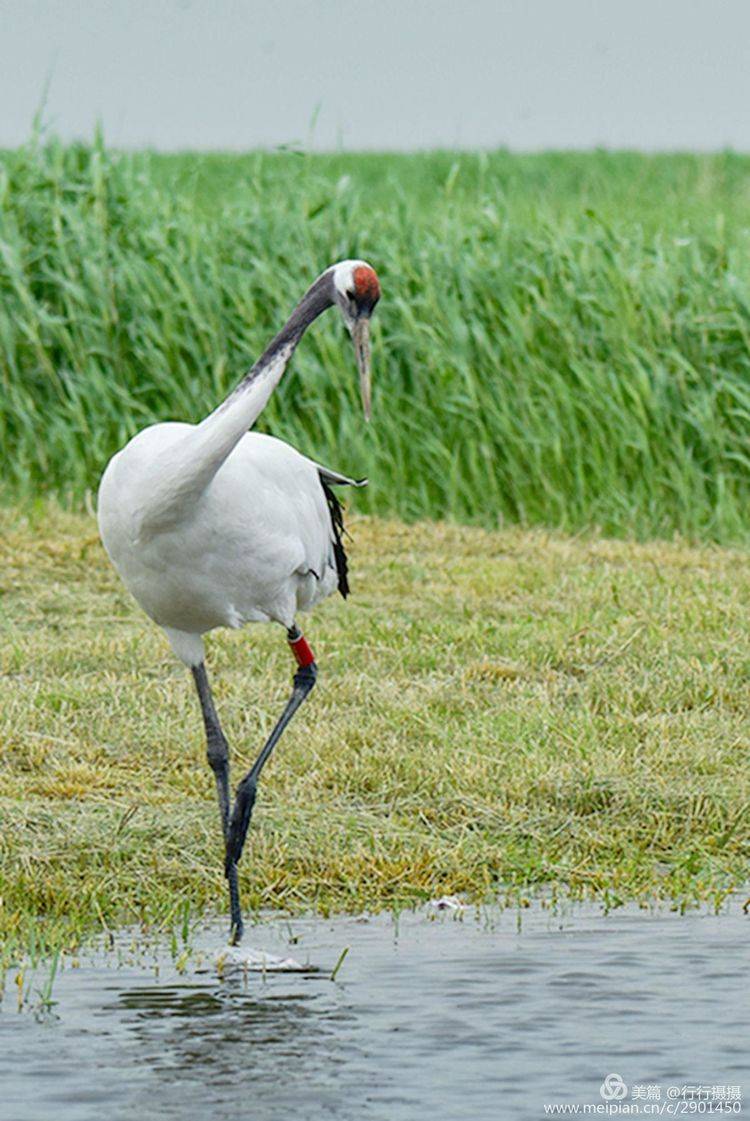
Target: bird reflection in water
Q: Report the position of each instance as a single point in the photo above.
(228, 1031)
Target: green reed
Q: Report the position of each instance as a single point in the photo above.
(563, 339)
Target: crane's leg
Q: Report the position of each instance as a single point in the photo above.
(217, 751)
(304, 679)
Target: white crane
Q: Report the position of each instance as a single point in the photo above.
(210, 525)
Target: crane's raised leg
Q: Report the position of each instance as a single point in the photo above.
(217, 751)
(304, 679)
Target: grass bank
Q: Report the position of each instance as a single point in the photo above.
(497, 712)
(563, 340)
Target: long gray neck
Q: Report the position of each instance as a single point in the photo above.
(317, 299)
(191, 464)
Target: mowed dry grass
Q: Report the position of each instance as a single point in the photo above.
(495, 712)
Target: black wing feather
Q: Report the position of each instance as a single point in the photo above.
(337, 524)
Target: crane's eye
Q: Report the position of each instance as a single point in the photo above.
(351, 295)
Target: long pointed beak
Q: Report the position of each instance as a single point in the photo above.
(361, 339)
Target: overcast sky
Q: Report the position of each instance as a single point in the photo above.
(394, 74)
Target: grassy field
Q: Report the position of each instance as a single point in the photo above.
(497, 712)
(563, 339)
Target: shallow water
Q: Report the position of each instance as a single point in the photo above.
(460, 1017)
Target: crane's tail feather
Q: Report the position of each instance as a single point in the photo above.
(337, 525)
(336, 479)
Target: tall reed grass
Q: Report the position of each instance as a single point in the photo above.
(562, 339)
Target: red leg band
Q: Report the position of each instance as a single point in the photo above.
(302, 652)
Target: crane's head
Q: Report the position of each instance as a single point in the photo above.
(356, 291)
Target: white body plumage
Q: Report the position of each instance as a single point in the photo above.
(255, 546)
